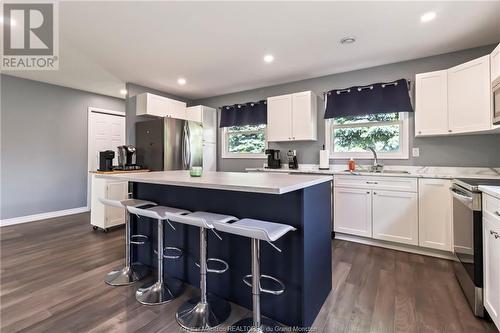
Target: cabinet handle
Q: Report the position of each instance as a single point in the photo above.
(294, 138)
(367, 192)
(372, 182)
(450, 131)
(495, 234)
(419, 132)
(374, 193)
(497, 213)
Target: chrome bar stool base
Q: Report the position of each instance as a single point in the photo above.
(195, 315)
(155, 293)
(127, 275)
(266, 325)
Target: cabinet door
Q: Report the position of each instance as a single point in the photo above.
(194, 113)
(156, 106)
(495, 63)
(491, 258)
(116, 191)
(176, 109)
(304, 116)
(395, 216)
(279, 118)
(431, 97)
(209, 156)
(434, 214)
(469, 96)
(352, 211)
(209, 124)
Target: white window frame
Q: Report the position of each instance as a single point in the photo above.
(404, 140)
(227, 154)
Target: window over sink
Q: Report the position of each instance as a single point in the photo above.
(248, 141)
(349, 136)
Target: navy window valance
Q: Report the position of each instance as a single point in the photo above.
(252, 113)
(371, 99)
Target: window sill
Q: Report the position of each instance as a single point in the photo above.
(368, 156)
(244, 156)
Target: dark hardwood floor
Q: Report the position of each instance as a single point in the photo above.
(52, 281)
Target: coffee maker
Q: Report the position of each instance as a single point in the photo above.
(292, 159)
(127, 158)
(273, 158)
(106, 160)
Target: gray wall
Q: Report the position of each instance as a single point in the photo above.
(130, 106)
(471, 150)
(44, 146)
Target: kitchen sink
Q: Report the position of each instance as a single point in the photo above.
(400, 172)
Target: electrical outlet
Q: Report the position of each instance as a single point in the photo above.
(415, 152)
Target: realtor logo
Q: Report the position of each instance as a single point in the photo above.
(30, 36)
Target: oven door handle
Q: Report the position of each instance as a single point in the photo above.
(461, 196)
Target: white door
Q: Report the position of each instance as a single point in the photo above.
(469, 96)
(431, 96)
(491, 256)
(352, 210)
(115, 191)
(302, 117)
(193, 113)
(395, 216)
(434, 214)
(209, 124)
(279, 118)
(176, 109)
(106, 132)
(495, 63)
(209, 156)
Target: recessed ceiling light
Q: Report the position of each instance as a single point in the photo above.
(182, 81)
(347, 40)
(123, 91)
(428, 17)
(268, 58)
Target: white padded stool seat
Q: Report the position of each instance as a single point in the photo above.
(125, 203)
(202, 219)
(257, 229)
(157, 212)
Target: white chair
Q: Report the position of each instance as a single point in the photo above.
(164, 289)
(207, 311)
(257, 230)
(131, 272)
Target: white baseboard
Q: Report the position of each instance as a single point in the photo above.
(398, 247)
(42, 216)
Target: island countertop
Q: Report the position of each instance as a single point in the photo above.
(231, 181)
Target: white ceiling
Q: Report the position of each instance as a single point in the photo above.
(218, 46)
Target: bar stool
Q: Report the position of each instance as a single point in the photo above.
(131, 272)
(207, 311)
(257, 230)
(164, 289)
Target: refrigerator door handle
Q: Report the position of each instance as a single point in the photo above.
(188, 146)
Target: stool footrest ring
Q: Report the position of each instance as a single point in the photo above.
(172, 249)
(216, 271)
(139, 239)
(248, 281)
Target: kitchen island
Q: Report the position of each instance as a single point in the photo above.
(304, 265)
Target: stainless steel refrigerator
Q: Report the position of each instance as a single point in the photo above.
(169, 144)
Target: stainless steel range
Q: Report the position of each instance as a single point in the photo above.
(468, 239)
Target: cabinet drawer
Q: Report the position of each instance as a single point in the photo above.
(377, 183)
(491, 206)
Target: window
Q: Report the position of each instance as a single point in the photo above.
(349, 136)
(247, 141)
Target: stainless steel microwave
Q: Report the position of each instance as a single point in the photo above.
(496, 101)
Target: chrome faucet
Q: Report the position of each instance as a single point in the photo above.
(376, 167)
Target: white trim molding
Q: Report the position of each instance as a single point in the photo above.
(42, 216)
(403, 154)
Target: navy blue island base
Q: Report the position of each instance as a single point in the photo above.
(305, 265)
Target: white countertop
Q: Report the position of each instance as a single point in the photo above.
(494, 191)
(412, 171)
(232, 181)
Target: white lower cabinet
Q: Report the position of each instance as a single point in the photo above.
(353, 211)
(434, 214)
(395, 216)
(491, 257)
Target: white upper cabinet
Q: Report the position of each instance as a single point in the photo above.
(431, 101)
(159, 106)
(292, 117)
(495, 63)
(454, 101)
(469, 96)
(434, 214)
